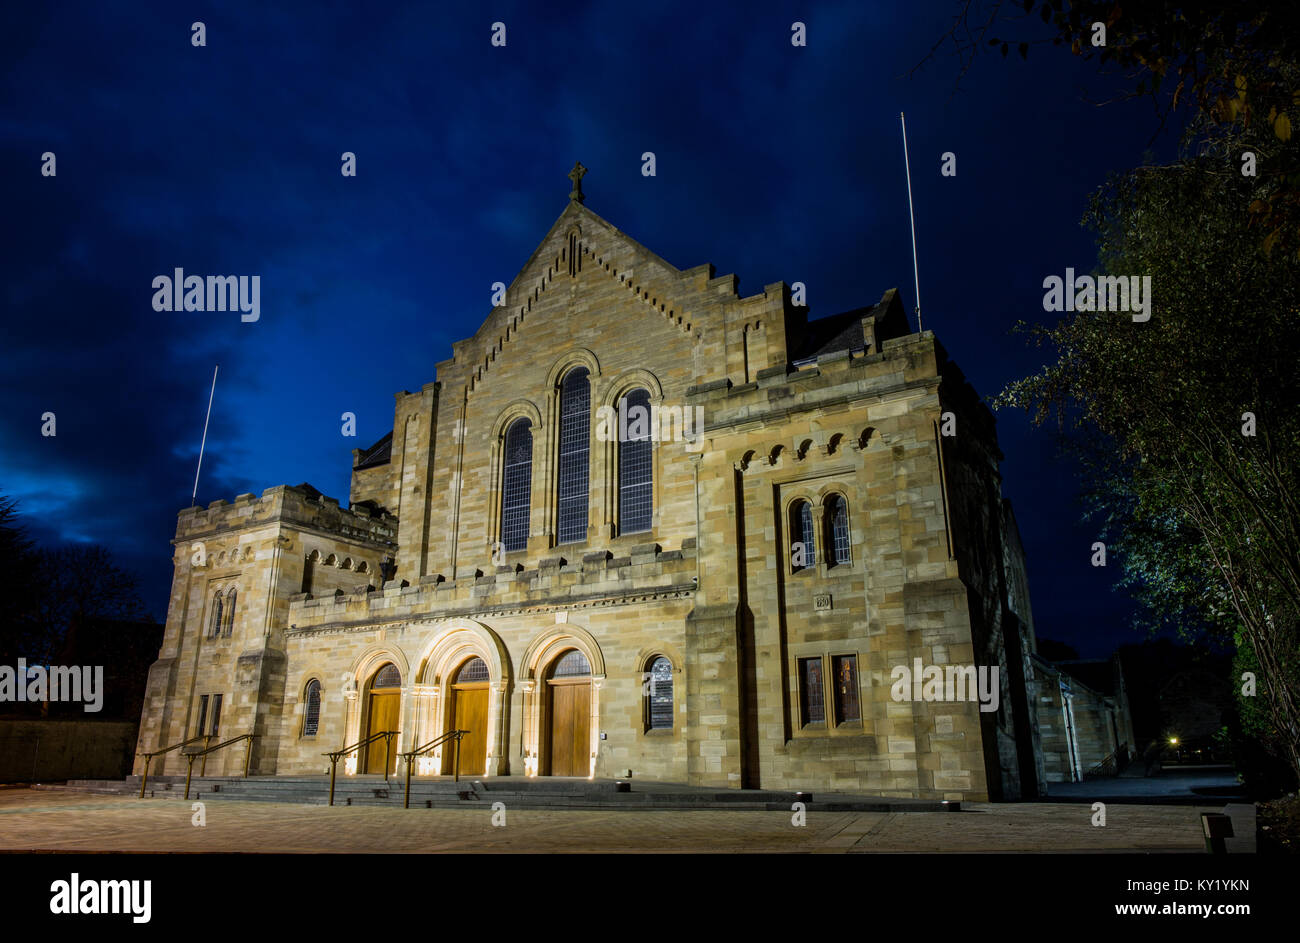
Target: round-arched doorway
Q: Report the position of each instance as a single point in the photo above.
(567, 727)
(383, 712)
(468, 711)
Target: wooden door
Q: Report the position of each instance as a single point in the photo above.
(384, 710)
(470, 712)
(570, 733)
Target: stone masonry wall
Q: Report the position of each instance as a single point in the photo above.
(861, 426)
(332, 595)
(258, 548)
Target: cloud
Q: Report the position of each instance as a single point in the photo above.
(774, 163)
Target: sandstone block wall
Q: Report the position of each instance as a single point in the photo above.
(412, 574)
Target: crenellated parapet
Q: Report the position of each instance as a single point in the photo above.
(596, 580)
(870, 385)
(301, 506)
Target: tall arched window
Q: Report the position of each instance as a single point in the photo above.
(803, 541)
(659, 695)
(635, 463)
(215, 626)
(837, 517)
(575, 453)
(517, 482)
(230, 613)
(311, 714)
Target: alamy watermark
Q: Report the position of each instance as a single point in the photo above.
(1103, 293)
(924, 682)
(53, 683)
(657, 423)
(181, 292)
(77, 896)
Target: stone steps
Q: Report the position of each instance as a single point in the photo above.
(515, 792)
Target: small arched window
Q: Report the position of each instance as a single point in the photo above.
(659, 695)
(635, 463)
(475, 669)
(387, 677)
(230, 613)
(575, 455)
(573, 664)
(215, 627)
(311, 713)
(837, 516)
(516, 485)
(308, 570)
(803, 539)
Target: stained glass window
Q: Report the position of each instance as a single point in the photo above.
(573, 664)
(635, 464)
(847, 709)
(311, 716)
(660, 694)
(803, 544)
(215, 627)
(575, 453)
(838, 512)
(473, 670)
(811, 695)
(517, 485)
(230, 612)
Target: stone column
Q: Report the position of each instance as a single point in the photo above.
(498, 763)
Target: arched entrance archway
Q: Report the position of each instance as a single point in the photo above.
(566, 727)
(468, 710)
(383, 712)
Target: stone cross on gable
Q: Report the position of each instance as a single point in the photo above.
(576, 175)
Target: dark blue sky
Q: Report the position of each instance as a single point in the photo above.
(774, 163)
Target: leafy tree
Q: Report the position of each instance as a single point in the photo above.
(1202, 515)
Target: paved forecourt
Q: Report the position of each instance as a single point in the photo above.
(33, 820)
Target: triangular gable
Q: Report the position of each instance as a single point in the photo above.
(594, 248)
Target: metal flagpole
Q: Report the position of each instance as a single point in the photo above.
(205, 435)
(912, 214)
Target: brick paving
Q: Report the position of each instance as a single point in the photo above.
(32, 820)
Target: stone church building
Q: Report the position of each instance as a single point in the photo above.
(638, 525)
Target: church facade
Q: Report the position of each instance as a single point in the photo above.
(638, 525)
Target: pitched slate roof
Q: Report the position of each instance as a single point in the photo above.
(844, 331)
(378, 454)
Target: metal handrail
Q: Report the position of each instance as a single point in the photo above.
(1111, 762)
(148, 756)
(334, 755)
(434, 742)
(248, 753)
(410, 756)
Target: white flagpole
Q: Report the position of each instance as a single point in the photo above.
(205, 435)
(912, 214)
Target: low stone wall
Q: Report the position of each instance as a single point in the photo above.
(48, 750)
